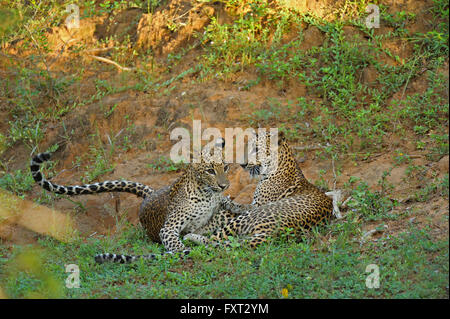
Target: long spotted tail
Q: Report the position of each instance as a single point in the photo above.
(125, 259)
(138, 189)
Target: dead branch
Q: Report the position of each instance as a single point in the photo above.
(122, 68)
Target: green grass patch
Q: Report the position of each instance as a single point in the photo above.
(411, 265)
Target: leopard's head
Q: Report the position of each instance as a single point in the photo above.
(211, 171)
(212, 176)
(262, 156)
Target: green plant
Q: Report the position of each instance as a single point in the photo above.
(401, 158)
(17, 182)
(413, 264)
(436, 187)
(232, 47)
(165, 164)
(3, 143)
(371, 205)
(440, 148)
(101, 157)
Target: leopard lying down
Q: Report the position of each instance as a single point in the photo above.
(194, 203)
(283, 198)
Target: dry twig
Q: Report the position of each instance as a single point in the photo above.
(101, 59)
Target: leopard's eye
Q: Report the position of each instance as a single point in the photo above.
(211, 171)
(226, 168)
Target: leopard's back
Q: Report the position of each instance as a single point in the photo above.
(187, 205)
(153, 212)
(285, 179)
(297, 212)
(283, 198)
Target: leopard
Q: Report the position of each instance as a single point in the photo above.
(193, 203)
(283, 198)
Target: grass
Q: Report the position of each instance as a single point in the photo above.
(438, 186)
(18, 182)
(412, 265)
(350, 117)
(333, 71)
(165, 164)
(372, 205)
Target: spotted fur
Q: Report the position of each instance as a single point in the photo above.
(283, 198)
(194, 203)
(125, 259)
(138, 189)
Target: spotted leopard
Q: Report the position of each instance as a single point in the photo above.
(194, 203)
(283, 198)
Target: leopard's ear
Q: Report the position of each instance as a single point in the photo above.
(213, 151)
(281, 137)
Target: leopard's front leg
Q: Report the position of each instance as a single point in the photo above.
(170, 237)
(235, 208)
(228, 210)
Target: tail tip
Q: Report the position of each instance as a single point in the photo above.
(99, 259)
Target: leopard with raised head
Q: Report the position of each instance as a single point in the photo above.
(283, 198)
(194, 203)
